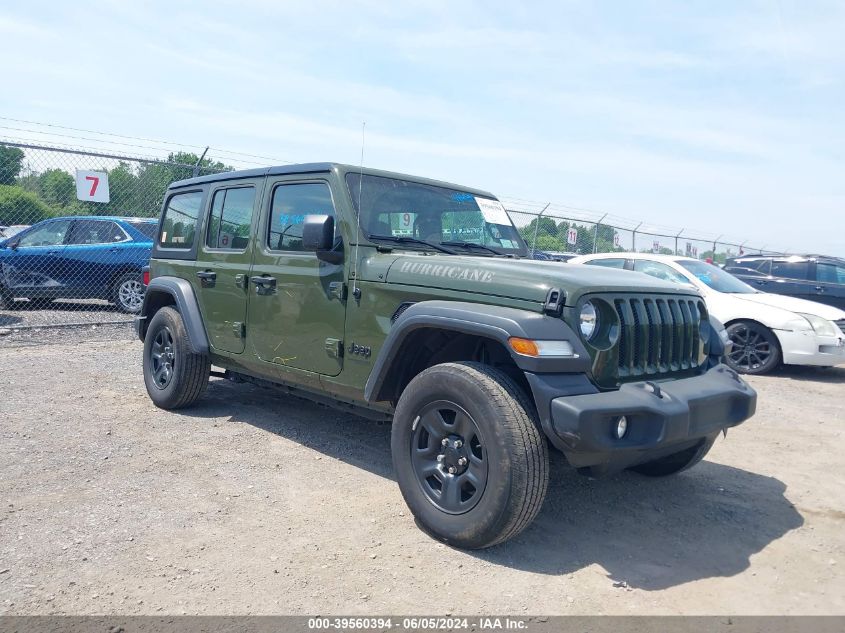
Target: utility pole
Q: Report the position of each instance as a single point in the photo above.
(676, 240)
(634, 237)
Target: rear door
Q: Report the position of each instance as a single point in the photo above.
(830, 284)
(295, 314)
(93, 256)
(790, 278)
(223, 262)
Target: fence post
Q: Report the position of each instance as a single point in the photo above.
(714, 248)
(199, 161)
(634, 238)
(676, 240)
(536, 227)
(596, 236)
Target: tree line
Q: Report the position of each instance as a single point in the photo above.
(136, 189)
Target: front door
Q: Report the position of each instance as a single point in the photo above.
(223, 261)
(34, 267)
(296, 316)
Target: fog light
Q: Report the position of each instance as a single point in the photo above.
(621, 427)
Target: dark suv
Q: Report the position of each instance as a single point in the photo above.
(815, 277)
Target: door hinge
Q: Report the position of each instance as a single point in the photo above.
(239, 329)
(241, 281)
(334, 347)
(337, 289)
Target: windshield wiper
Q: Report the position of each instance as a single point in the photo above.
(478, 246)
(404, 239)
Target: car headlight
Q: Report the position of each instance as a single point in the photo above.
(823, 327)
(589, 320)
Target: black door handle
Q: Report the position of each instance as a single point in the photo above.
(207, 275)
(264, 284)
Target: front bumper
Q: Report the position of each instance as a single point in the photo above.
(663, 418)
(808, 348)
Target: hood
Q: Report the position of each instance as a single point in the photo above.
(525, 279)
(794, 304)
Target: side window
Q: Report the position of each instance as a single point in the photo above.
(830, 273)
(608, 263)
(231, 218)
(291, 203)
(180, 220)
(661, 271)
(790, 270)
(95, 232)
(52, 234)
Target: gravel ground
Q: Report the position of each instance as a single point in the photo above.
(27, 316)
(257, 502)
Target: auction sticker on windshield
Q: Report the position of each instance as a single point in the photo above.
(493, 211)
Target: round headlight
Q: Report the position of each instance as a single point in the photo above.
(589, 320)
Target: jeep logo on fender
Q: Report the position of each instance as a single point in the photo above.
(360, 350)
(449, 272)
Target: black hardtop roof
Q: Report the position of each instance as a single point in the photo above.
(314, 168)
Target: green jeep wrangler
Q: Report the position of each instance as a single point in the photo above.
(412, 300)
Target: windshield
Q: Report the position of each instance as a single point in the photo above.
(716, 278)
(400, 208)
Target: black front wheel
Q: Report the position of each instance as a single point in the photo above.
(470, 459)
(755, 348)
(174, 375)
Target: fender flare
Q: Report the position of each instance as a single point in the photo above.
(498, 323)
(186, 302)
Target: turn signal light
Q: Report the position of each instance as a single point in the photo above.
(528, 347)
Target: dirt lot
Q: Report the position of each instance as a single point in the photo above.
(254, 502)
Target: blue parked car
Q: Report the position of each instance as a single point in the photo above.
(91, 257)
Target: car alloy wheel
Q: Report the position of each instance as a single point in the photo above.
(131, 295)
(162, 358)
(448, 457)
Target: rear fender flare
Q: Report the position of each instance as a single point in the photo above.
(186, 303)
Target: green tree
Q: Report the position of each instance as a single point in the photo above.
(11, 163)
(18, 206)
(56, 187)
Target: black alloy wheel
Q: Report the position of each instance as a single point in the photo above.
(755, 349)
(162, 357)
(448, 457)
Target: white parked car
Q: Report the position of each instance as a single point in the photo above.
(766, 329)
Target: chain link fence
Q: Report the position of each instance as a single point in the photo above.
(557, 232)
(76, 229)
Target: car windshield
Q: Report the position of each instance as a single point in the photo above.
(716, 278)
(393, 208)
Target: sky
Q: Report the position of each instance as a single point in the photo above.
(716, 117)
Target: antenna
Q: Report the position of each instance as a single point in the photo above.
(356, 292)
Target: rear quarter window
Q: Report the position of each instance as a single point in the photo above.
(179, 224)
(149, 229)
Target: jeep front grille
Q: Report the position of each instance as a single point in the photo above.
(659, 335)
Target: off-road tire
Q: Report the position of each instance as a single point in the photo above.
(677, 462)
(189, 371)
(122, 298)
(514, 449)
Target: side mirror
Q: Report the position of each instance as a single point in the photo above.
(318, 236)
